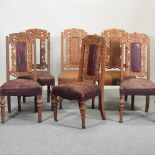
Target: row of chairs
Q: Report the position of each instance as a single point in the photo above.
(93, 60)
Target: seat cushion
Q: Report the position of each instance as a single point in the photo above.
(20, 87)
(137, 86)
(68, 76)
(45, 78)
(76, 91)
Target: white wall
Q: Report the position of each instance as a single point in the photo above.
(92, 15)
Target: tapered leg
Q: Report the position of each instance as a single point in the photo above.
(35, 104)
(147, 103)
(19, 103)
(126, 97)
(24, 99)
(101, 105)
(132, 102)
(60, 102)
(9, 103)
(39, 105)
(121, 108)
(48, 93)
(2, 104)
(55, 105)
(93, 101)
(82, 106)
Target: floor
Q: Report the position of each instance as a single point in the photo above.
(21, 134)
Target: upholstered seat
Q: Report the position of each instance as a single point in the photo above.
(20, 87)
(139, 86)
(45, 78)
(76, 91)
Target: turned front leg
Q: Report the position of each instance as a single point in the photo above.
(121, 108)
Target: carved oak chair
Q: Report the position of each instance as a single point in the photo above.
(19, 63)
(137, 63)
(92, 67)
(71, 40)
(44, 77)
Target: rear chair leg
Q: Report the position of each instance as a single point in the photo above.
(93, 101)
(19, 103)
(132, 102)
(101, 105)
(48, 93)
(55, 105)
(2, 104)
(60, 102)
(39, 105)
(9, 103)
(147, 103)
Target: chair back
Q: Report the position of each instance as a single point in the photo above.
(113, 57)
(42, 41)
(136, 55)
(19, 47)
(71, 41)
(92, 61)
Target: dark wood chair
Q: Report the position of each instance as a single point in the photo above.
(19, 63)
(71, 41)
(92, 68)
(136, 50)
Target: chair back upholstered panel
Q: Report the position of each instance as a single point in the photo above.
(71, 40)
(112, 36)
(92, 62)
(136, 54)
(19, 55)
(44, 48)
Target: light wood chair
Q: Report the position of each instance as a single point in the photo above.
(44, 76)
(92, 68)
(19, 57)
(136, 62)
(71, 41)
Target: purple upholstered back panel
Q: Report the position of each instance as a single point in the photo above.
(91, 66)
(135, 57)
(21, 64)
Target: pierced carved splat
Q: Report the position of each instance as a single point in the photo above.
(113, 36)
(71, 40)
(44, 38)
